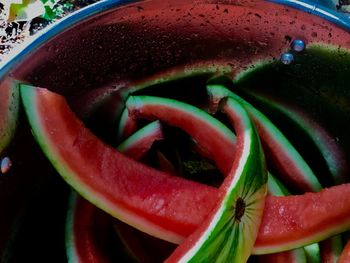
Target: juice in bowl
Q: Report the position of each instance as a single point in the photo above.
(287, 65)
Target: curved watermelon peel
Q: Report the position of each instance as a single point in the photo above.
(138, 144)
(328, 206)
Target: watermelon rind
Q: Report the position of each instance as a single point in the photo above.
(72, 254)
(143, 138)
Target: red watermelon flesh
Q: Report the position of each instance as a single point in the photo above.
(162, 205)
(306, 218)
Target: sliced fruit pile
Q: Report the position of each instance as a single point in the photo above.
(147, 182)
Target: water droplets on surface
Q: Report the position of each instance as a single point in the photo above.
(298, 45)
(5, 165)
(287, 58)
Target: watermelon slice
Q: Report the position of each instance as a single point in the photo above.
(213, 136)
(130, 191)
(140, 142)
(289, 163)
(126, 126)
(76, 154)
(229, 232)
(9, 105)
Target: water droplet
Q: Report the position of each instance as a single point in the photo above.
(5, 165)
(298, 45)
(287, 58)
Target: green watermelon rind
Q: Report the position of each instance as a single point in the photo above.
(72, 255)
(154, 127)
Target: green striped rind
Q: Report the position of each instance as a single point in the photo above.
(9, 123)
(226, 239)
(70, 247)
(216, 92)
(147, 130)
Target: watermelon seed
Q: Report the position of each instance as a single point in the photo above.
(287, 58)
(239, 209)
(5, 165)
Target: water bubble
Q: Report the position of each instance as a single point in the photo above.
(5, 165)
(287, 58)
(298, 45)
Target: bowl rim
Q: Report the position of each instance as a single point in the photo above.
(20, 52)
